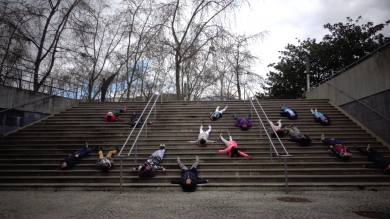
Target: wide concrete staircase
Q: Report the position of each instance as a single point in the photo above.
(30, 157)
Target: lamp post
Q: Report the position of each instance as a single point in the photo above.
(308, 71)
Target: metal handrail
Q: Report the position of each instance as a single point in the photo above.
(269, 138)
(128, 137)
(280, 141)
(358, 101)
(146, 121)
(136, 139)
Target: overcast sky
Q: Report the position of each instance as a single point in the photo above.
(289, 19)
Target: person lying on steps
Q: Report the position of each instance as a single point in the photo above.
(189, 177)
(243, 123)
(105, 163)
(380, 161)
(202, 137)
(217, 113)
(110, 117)
(288, 112)
(75, 158)
(137, 118)
(337, 149)
(279, 129)
(297, 136)
(153, 162)
(320, 118)
(231, 148)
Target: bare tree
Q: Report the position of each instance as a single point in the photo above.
(97, 34)
(42, 25)
(144, 22)
(240, 58)
(12, 44)
(191, 24)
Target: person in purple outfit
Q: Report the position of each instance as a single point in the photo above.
(243, 123)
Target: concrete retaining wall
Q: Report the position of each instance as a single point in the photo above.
(369, 82)
(21, 116)
(11, 97)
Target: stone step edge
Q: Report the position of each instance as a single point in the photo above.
(128, 177)
(206, 187)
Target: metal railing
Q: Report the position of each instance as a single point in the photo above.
(272, 146)
(136, 139)
(23, 79)
(341, 91)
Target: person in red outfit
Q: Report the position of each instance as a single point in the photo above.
(337, 149)
(110, 117)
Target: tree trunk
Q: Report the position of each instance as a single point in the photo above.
(177, 65)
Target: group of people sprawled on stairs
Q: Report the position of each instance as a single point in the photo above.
(336, 149)
(189, 176)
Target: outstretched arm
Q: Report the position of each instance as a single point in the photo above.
(158, 167)
(374, 166)
(175, 181)
(201, 181)
(224, 151)
(243, 154)
(137, 168)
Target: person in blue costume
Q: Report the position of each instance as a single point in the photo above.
(289, 113)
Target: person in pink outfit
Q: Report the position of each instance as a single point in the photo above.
(232, 148)
(279, 129)
(110, 117)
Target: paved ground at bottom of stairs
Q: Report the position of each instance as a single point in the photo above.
(200, 204)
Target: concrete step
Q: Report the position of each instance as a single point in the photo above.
(205, 172)
(127, 165)
(161, 178)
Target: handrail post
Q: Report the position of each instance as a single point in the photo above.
(270, 151)
(244, 94)
(261, 134)
(285, 173)
(120, 190)
(251, 110)
(146, 130)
